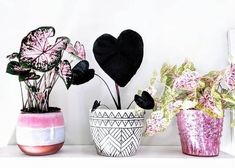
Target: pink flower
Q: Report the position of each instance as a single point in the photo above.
(187, 81)
(230, 77)
(77, 50)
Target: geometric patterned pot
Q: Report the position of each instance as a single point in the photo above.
(40, 133)
(116, 133)
(199, 133)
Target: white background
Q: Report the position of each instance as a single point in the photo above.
(171, 29)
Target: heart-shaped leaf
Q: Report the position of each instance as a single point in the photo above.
(145, 101)
(77, 50)
(95, 105)
(13, 56)
(119, 58)
(66, 73)
(29, 76)
(15, 68)
(36, 51)
(81, 73)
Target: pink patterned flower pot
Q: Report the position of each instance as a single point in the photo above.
(199, 133)
(40, 133)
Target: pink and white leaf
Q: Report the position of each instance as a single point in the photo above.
(77, 50)
(187, 81)
(66, 72)
(37, 53)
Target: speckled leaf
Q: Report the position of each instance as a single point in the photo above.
(77, 50)
(29, 76)
(36, 51)
(66, 72)
(15, 68)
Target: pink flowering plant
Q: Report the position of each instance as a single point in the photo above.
(185, 89)
(39, 64)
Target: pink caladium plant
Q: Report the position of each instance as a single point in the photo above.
(39, 64)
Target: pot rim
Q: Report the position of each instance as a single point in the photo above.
(46, 113)
(116, 110)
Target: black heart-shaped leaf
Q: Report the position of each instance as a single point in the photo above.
(119, 58)
(145, 101)
(81, 73)
(95, 105)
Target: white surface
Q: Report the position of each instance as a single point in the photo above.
(88, 151)
(147, 156)
(171, 29)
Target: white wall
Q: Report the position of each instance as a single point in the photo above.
(172, 30)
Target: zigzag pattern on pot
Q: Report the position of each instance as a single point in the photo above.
(115, 114)
(116, 141)
(116, 119)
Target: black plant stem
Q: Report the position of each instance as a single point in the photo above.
(130, 104)
(105, 106)
(108, 89)
(118, 96)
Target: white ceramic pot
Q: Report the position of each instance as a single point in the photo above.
(116, 133)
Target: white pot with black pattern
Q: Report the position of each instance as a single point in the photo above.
(116, 133)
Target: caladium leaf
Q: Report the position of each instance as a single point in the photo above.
(66, 73)
(15, 68)
(77, 50)
(81, 73)
(29, 76)
(144, 101)
(36, 51)
(13, 56)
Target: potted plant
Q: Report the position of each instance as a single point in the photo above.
(117, 132)
(198, 102)
(38, 65)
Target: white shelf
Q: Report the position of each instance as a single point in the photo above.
(84, 154)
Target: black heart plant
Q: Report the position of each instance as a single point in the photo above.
(38, 65)
(118, 132)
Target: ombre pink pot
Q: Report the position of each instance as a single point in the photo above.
(199, 133)
(40, 133)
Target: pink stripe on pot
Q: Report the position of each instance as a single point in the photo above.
(41, 120)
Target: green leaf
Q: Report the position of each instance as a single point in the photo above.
(209, 112)
(15, 68)
(168, 74)
(29, 76)
(186, 66)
